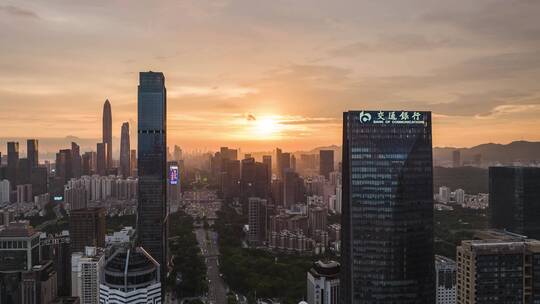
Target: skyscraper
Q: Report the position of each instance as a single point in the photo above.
(267, 161)
(514, 199)
(107, 131)
(285, 163)
(64, 165)
(279, 173)
(257, 208)
(133, 161)
(125, 163)
(326, 158)
(87, 228)
(12, 163)
(86, 273)
(293, 189)
(87, 163)
(76, 160)
(498, 268)
(32, 151)
(177, 153)
(101, 166)
(387, 218)
(152, 167)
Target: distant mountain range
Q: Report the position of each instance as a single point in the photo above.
(525, 151)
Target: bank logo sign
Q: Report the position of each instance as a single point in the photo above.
(391, 117)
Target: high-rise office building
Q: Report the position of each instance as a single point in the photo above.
(86, 274)
(24, 194)
(107, 132)
(514, 199)
(76, 160)
(87, 228)
(498, 267)
(32, 152)
(267, 161)
(178, 153)
(12, 163)
(387, 220)
(19, 247)
(293, 189)
(257, 220)
(456, 158)
(19, 253)
(444, 194)
(125, 163)
(24, 171)
(323, 283)
(326, 162)
(285, 163)
(57, 249)
(317, 219)
(102, 161)
(152, 167)
(279, 173)
(133, 160)
(5, 191)
(445, 275)
(87, 163)
(64, 165)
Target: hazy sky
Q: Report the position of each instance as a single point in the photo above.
(257, 74)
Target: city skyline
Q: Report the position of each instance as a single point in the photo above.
(241, 152)
(306, 65)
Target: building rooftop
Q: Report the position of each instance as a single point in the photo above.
(329, 269)
(18, 229)
(442, 260)
(127, 260)
(498, 241)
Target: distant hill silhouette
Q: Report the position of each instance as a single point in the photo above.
(515, 151)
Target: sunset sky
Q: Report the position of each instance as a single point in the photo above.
(260, 74)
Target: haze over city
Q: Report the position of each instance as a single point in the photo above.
(269, 152)
(257, 75)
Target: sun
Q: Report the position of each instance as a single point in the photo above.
(266, 127)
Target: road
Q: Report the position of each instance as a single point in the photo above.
(217, 290)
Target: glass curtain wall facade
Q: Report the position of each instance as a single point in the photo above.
(152, 167)
(387, 218)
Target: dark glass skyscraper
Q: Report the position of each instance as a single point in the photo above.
(32, 152)
(107, 131)
(101, 165)
(387, 218)
(514, 200)
(76, 159)
(326, 161)
(124, 151)
(12, 162)
(152, 166)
